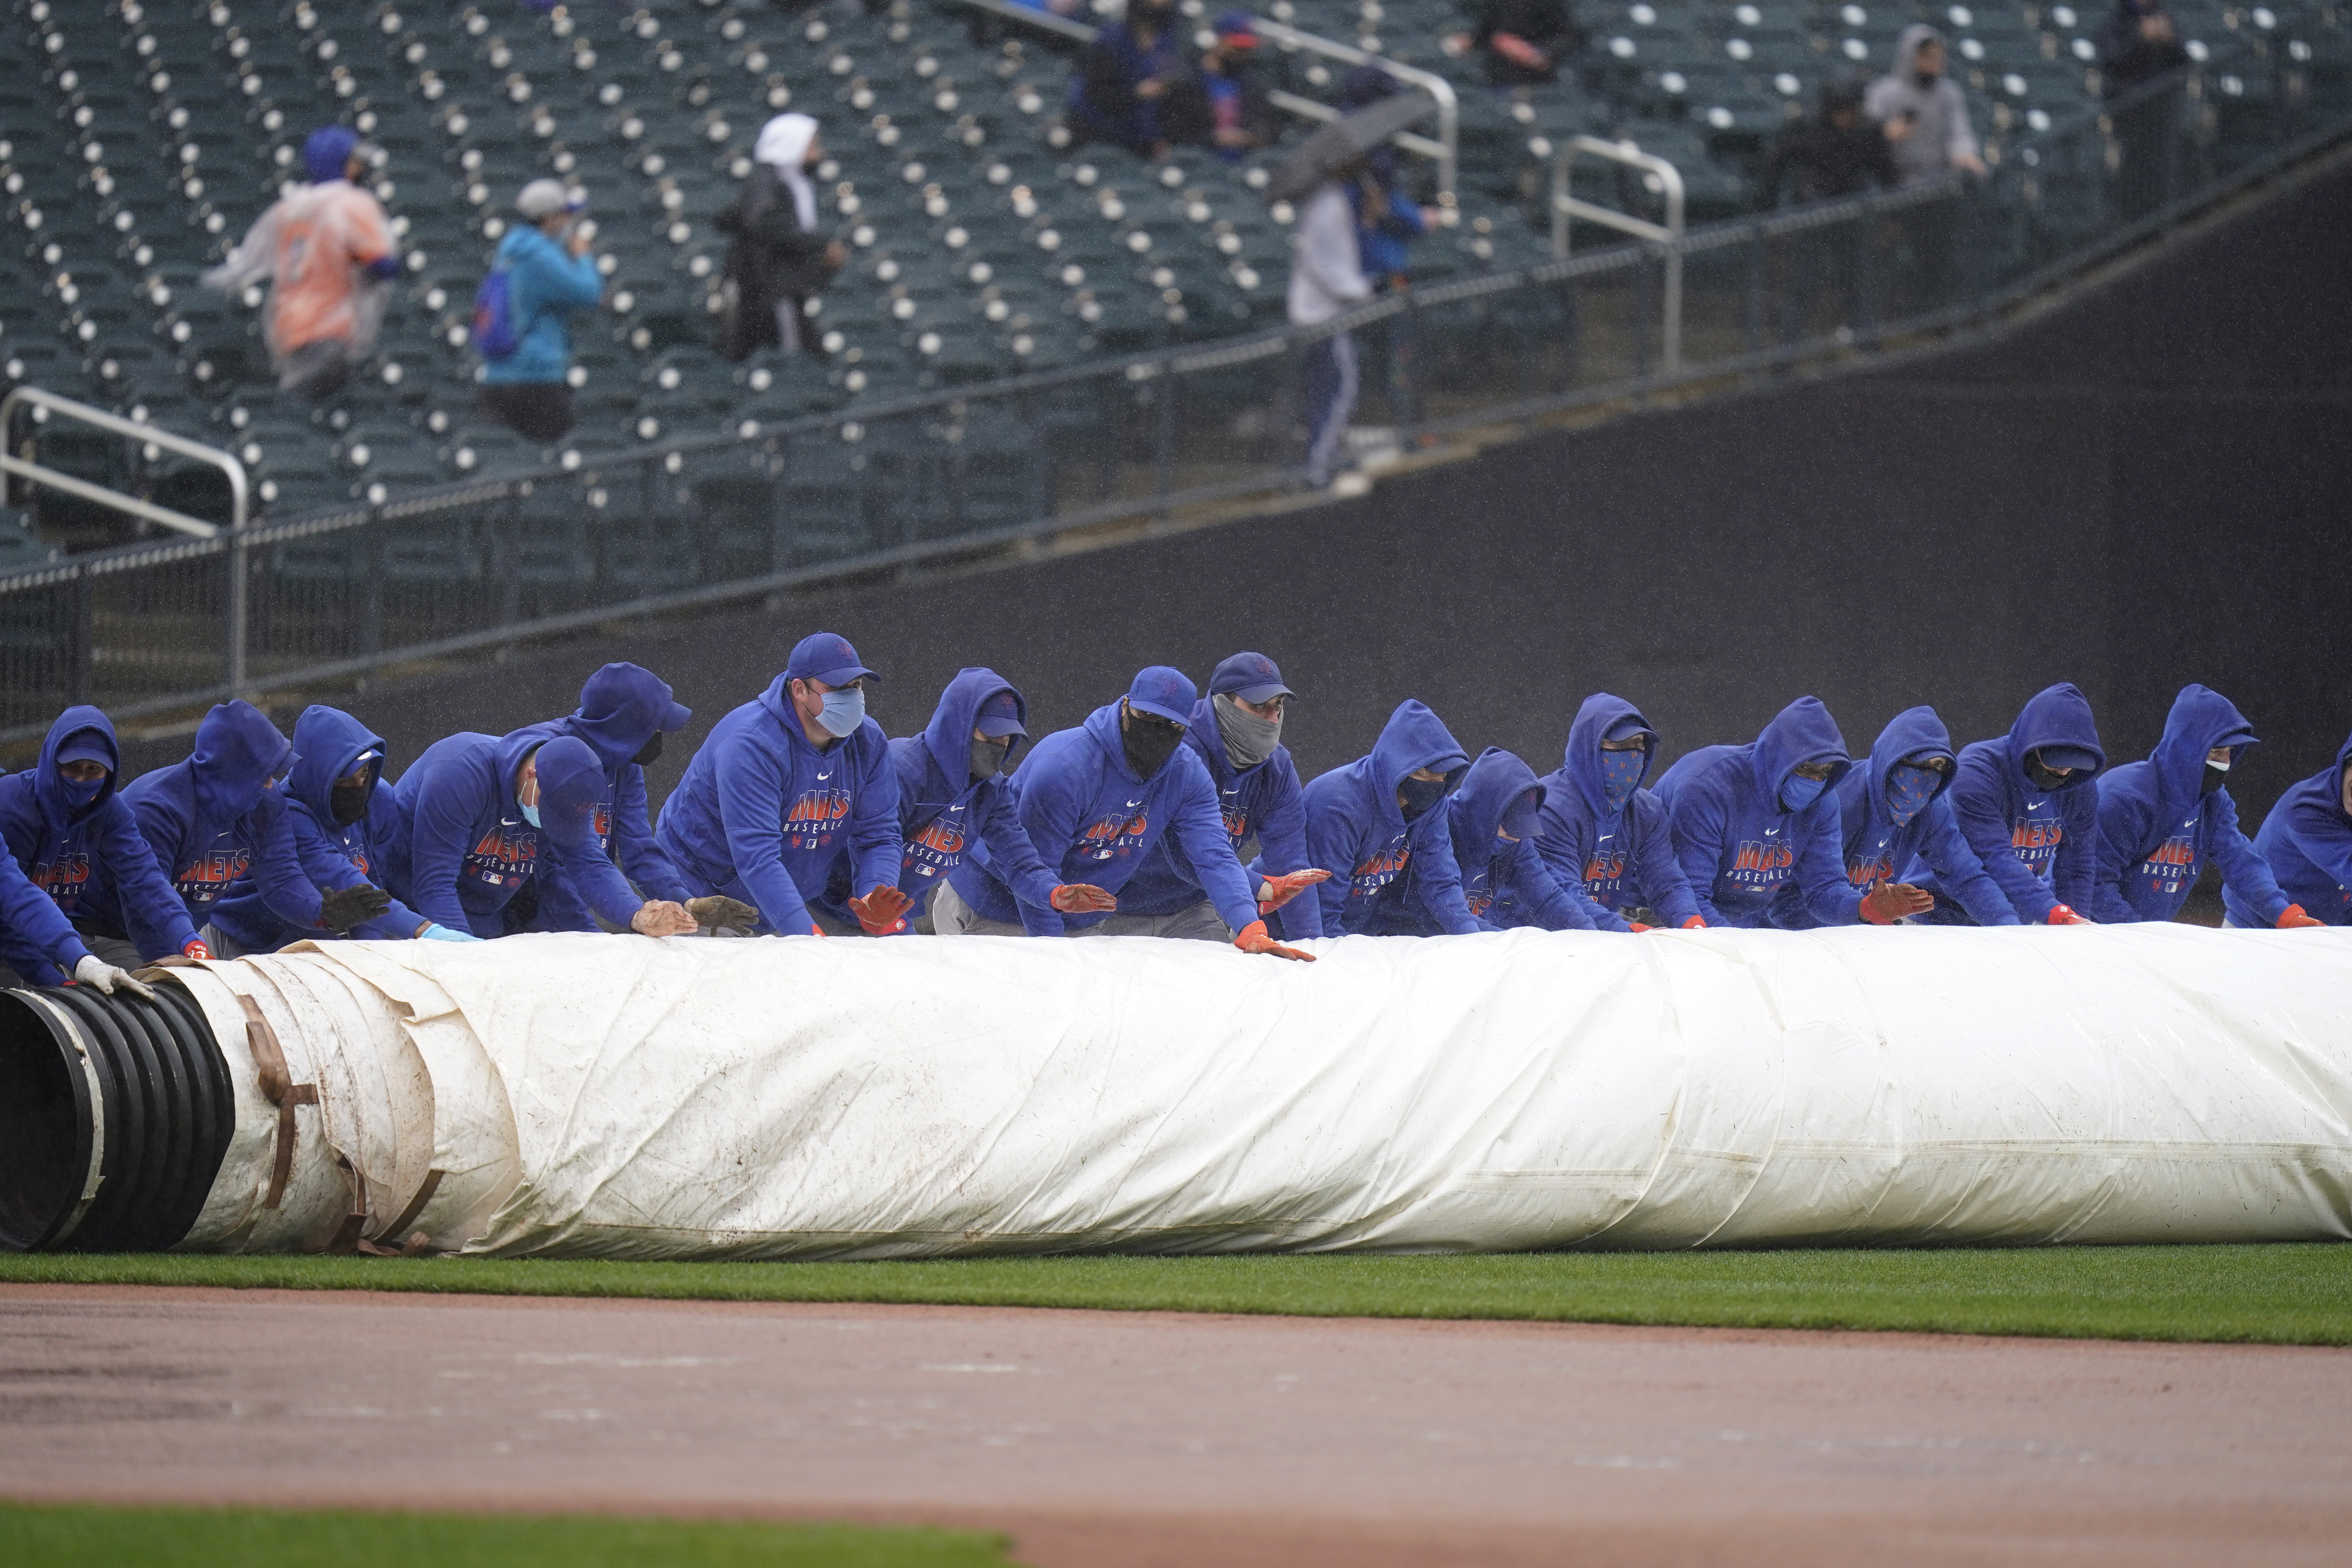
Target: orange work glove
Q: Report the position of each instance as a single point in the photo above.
(1637, 925)
(1275, 891)
(1082, 898)
(1695, 923)
(2293, 916)
(2060, 915)
(1253, 939)
(1887, 902)
(880, 912)
(196, 948)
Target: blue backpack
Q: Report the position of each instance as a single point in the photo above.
(494, 325)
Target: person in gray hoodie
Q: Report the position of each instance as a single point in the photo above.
(1924, 115)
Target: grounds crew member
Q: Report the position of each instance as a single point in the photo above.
(1378, 817)
(2021, 803)
(1505, 883)
(1606, 838)
(2306, 841)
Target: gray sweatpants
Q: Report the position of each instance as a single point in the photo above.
(953, 917)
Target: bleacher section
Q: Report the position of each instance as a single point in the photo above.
(138, 140)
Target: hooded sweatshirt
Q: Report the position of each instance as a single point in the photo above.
(2306, 840)
(1875, 847)
(941, 809)
(1614, 860)
(1263, 802)
(216, 819)
(545, 283)
(761, 814)
(1505, 884)
(329, 744)
(461, 847)
(1739, 845)
(2156, 825)
(1940, 132)
(2038, 846)
(1081, 800)
(1383, 866)
(91, 862)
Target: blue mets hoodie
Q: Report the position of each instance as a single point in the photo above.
(328, 743)
(1876, 848)
(1079, 798)
(761, 814)
(1383, 866)
(2038, 846)
(217, 818)
(91, 862)
(1614, 860)
(1505, 883)
(1739, 845)
(941, 810)
(1263, 802)
(2306, 840)
(460, 848)
(2156, 825)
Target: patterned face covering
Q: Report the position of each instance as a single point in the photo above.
(1908, 791)
(1621, 774)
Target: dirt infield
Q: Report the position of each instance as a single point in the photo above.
(1134, 1439)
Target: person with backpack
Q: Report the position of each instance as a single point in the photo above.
(777, 254)
(542, 274)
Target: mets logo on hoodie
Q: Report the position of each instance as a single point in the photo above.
(815, 817)
(2036, 841)
(1604, 870)
(939, 847)
(209, 876)
(1761, 864)
(2174, 861)
(65, 878)
(1114, 835)
(1379, 869)
(503, 855)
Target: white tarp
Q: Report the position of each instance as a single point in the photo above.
(617, 1096)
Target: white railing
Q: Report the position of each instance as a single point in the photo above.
(1565, 207)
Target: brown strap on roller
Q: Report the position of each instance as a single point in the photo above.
(347, 1234)
(269, 1063)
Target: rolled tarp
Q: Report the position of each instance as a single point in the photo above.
(621, 1097)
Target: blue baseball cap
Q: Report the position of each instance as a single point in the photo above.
(1000, 716)
(823, 656)
(2069, 757)
(87, 746)
(1628, 727)
(1252, 676)
(1163, 693)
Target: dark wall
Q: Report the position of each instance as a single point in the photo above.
(2143, 488)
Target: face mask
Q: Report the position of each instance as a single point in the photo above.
(1908, 791)
(988, 757)
(79, 794)
(1799, 792)
(650, 753)
(1621, 775)
(530, 815)
(2216, 775)
(348, 803)
(1148, 743)
(1925, 78)
(1420, 794)
(1248, 739)
(844, 710)
(2043, 778)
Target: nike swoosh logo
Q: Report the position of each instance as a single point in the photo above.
(1604, 838)
(1772, 833)
(822, 777)
(1134, 802)
(2036, 804)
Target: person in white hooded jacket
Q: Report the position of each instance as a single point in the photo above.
(1327, 277)
(1924, 115)
(779, 253)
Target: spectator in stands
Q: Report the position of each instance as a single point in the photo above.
(1223, 106)
(327, 251)
(2020, 801)
(1600, 830)
(2306, 840)
(1923, 111)
(549, 275)
(1834, 152)
(778, 255)
(1119, 92)
(2137, 46)
(1327, 277)
(1524, 40)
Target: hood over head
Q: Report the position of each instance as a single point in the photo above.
(330, 743)
(326, 151)
(239, 751)
(2200, 720)
(1914, 731)
(1493, 784)
(784, 141)
(1801, 733)
(89, 724)
(1601, 715)
(1907, 46)
(622, 707)
(2058, 715)
(947, 738)
(1413, 738)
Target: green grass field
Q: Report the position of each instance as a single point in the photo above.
(2276, 1294)
(83, 1537)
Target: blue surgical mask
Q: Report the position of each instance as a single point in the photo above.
(529, 814)
(1621, 775)
(1799, 792)
(1908, 791)
(845, 710)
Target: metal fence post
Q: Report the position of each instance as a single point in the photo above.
(239, 613)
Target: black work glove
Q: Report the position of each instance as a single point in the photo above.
(344, 908)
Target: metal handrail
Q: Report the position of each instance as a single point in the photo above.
(1565, 207)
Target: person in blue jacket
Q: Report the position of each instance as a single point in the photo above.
(625, 712)
(782, 786)
(1236, 733)
(31, 928)
(77, 840)
(1379, 817)
(1505, 884)
(2021, 803)
(2160, 819)
(340, 811)
(218, 818)
(549, 275)
(1893, 813)
(1094, 800)
(480, 817)
(952, 792)
(2306, 840)
(1605, 837)
(1747, 820)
